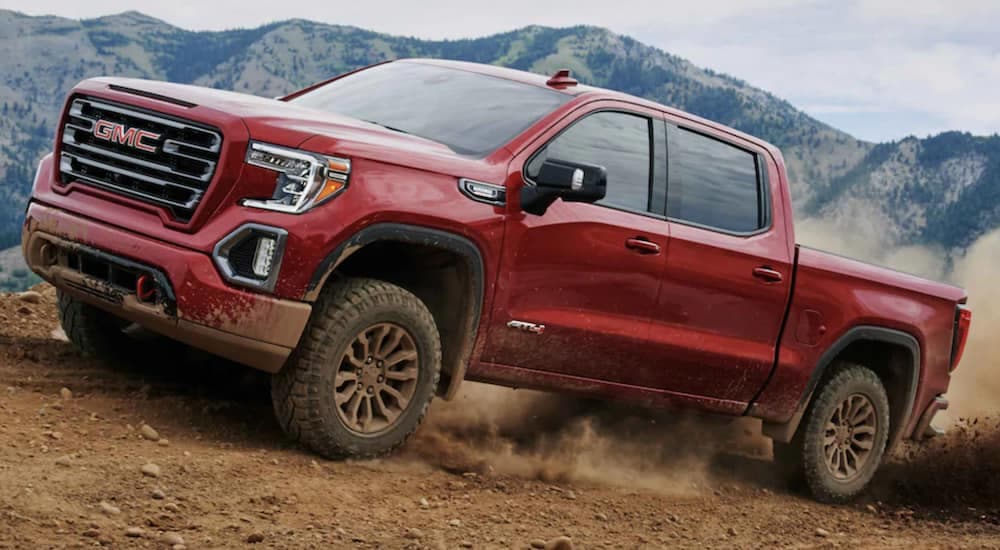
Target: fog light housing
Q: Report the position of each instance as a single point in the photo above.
(251, 255)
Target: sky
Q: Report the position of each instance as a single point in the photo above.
(878, 69)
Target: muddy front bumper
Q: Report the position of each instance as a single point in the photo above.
(163, 287)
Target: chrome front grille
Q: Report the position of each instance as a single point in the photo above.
(150, 157)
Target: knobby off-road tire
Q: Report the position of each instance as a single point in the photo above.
(841, 441)
(369, 341)
(95, 333)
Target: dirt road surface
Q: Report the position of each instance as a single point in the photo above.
(182, 451)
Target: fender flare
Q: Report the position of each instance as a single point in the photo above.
(425, 236)
(784, 432)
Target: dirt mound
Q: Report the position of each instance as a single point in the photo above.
(29, 315)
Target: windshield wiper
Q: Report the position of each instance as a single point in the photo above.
(386, 126)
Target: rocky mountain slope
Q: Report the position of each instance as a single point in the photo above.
(943, 190)
(928, 191)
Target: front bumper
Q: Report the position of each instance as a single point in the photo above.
(182, 297)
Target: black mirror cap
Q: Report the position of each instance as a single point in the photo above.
(570, 181)
(574, 181)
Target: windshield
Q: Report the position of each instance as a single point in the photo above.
(473, 114)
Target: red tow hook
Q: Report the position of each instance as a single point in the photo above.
(145, 290)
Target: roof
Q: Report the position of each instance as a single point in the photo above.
(503, 72)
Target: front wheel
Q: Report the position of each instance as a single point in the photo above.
(365, 371)
(95, 333)
(843, 436)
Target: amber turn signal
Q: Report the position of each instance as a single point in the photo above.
(330, 188)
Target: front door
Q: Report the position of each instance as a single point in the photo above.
(580, 282)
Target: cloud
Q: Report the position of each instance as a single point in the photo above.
(929, 13)
(933, 70)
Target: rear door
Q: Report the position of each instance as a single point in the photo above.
(579, 283)
(728, 275)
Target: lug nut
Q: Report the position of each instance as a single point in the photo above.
(371, 389)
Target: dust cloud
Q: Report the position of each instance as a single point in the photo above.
(958, 470)
(552, 438)
(975, 386)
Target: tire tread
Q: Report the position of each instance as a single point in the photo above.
(798, 458)
(296, 389)
(95, 334)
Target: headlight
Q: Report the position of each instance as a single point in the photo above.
(304, 179)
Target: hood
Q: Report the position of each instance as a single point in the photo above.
(286, 124)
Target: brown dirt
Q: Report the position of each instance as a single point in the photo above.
(493, 469)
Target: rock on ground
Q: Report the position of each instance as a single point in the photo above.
(149, 433)
(30, 297)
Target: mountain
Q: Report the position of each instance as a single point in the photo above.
(943, 190)
(940, 190)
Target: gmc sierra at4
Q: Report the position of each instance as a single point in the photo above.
(376, 239)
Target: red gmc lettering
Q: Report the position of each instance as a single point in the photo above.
(120, 135)
(133, 137)
(102, 130)
(143, 134)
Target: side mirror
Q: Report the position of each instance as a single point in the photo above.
(570, 181)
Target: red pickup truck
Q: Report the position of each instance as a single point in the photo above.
(378, 238)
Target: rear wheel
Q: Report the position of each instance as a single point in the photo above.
(843, 436)
(364, 374)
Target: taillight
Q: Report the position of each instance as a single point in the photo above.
(963, 320)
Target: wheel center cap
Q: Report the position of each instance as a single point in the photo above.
(843, 434)
(369, 375)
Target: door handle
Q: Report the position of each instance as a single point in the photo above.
(767, 274)
(642, 245)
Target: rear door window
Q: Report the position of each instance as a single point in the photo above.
(713, 184)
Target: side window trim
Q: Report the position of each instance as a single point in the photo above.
(652, 121)
(764, 200)
(661, 169)
(764, 184)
